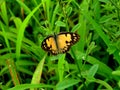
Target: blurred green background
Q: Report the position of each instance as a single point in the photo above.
(91, 64)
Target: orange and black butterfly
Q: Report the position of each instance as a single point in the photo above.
(60, 43)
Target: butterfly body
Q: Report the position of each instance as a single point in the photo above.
(59, 43)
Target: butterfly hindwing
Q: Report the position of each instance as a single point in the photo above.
(59, 43)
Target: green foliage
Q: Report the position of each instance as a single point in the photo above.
(91, 64)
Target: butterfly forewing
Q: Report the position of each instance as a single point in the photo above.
(60, 43)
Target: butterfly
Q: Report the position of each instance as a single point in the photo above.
(59, 43)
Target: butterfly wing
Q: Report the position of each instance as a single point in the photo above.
(65, 40)
(49, 44)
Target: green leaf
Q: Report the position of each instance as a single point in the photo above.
(93, 70)
(66, 83)
(21, 32)
(60, 23)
